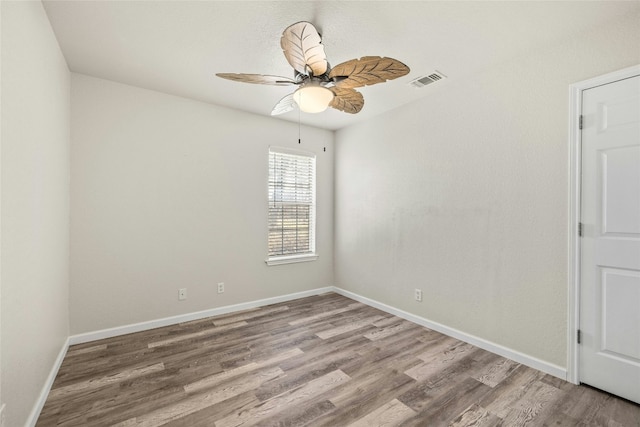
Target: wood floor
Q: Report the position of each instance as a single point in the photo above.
(319, 361)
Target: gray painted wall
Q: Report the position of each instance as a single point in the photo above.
(35, 206)
(171, 193)
(464, 194)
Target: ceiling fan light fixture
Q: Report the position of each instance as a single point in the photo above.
(313, 98)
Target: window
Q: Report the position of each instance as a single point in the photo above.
(292, 206)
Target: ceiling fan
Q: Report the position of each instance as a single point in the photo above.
(319, 85)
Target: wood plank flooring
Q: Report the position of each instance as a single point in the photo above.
(319, 361)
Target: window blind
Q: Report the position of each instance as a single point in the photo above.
(292, 177)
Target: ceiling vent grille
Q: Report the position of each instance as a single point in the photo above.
(428, 79)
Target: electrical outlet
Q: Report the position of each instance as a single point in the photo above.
(418, 295)
(221, 287)
(182, 294)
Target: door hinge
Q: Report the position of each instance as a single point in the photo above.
(580, 121)
(579, 336)
(580, 229)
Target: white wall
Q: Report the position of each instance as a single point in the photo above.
(35, 205)
(464, 194)
(168, 193)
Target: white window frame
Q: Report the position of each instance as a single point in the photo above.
(303, 257)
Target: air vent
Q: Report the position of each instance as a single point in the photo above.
(428, 79)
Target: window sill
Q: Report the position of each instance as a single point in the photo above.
(290, 259)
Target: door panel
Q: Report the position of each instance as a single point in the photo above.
(610, 246)
(621, 199)
(620, 314)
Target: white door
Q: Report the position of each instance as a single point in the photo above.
(610, 216)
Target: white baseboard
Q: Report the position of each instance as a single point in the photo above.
(167, 321)
(533, 362)
(525, 359)
(46, 388)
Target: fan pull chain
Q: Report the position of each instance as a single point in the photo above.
(299, 125)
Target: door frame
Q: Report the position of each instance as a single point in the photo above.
(575, 188)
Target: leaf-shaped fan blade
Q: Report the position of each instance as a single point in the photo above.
(366, 71)
(258, 79)
(285, 105)
(303, 48)
(348, 100)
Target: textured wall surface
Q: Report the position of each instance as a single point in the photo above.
(171, 193)
(35, 205)
(464, 194)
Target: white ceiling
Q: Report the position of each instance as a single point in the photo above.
(176, 47)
